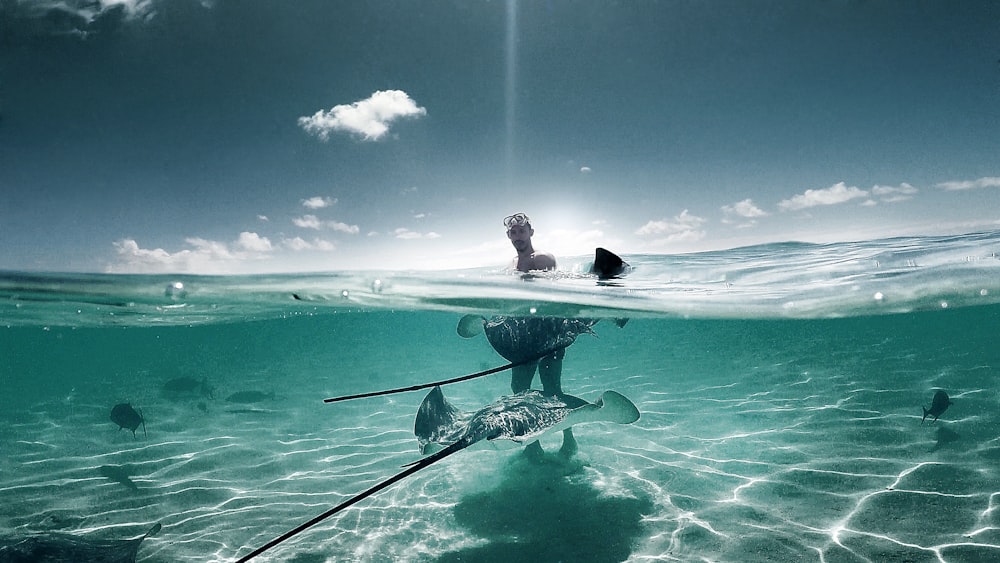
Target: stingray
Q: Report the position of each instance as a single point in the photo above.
(444, 430)
(69, 548)
(126, 417)
(523, 339)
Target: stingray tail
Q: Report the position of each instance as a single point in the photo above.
(925, 415)
(443, 381)
(410, 470)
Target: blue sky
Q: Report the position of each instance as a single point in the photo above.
(243, 137)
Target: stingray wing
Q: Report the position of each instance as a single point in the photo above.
(610, 407)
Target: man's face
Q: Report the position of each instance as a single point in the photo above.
(520, 236)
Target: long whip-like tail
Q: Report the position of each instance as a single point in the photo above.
(442, 382)
(410, 470)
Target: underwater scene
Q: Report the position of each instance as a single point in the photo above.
(796, 402)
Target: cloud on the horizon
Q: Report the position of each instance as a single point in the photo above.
(317, 224)
(203, 257)
(742, 213)
(894, 194)
(988, 182)
(407, 234)
(683, 227)
(834, 195)
(369, 118)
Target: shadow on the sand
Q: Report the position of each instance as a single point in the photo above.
(539, 513)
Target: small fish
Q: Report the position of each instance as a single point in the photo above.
(939, 404)
(250, 397)
(126, 417)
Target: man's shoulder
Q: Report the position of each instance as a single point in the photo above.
(543, 261)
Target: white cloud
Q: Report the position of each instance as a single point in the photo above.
(894, 194)
(682, 226)
(318, 202)
(407, 234)
(743, 212)
(988, 182)
(585, 170)
(313, 222)
(299, 244)
(835, 194)
(204, 256)
(263, 218)
(253, 242)
(369, 118)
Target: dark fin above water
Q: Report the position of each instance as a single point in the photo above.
(608, 265)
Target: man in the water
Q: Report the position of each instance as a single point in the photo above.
(549, 368)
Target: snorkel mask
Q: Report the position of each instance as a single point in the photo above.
(515, 220)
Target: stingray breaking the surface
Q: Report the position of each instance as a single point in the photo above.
(442, 429)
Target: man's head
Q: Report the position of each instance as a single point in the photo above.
(519, 231)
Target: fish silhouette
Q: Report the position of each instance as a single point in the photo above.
(939, 404)
(126, 417)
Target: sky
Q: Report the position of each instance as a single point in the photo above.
(240, 137)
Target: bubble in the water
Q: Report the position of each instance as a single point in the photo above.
(176, 290)
(878, 296)
(984, 292)
(377, 286)
(345, 294)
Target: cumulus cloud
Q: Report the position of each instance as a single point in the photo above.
(299, 244)
(315, 223)
(407, 234)
(894, 194)
(683, 227)
(202, 257)
(253, 242)
(744, 213)
(835, 194)
(988, 182)
(369, 118)
(318, 202)
(585, 170)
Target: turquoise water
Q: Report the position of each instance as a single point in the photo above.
(780, 390)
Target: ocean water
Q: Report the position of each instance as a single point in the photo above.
(780, 389)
